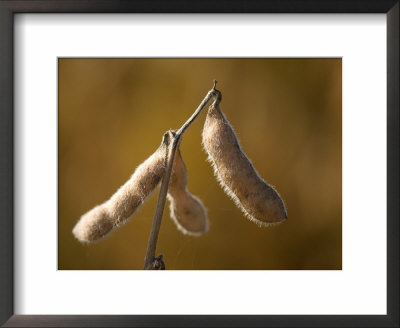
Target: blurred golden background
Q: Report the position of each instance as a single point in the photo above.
(287, 114)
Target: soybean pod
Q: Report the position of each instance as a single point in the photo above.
(104, 218)
(259, 201)
(186, 210)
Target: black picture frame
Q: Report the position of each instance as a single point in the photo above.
(7, 11)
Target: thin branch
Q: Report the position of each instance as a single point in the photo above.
(172, 147)
(212, 93)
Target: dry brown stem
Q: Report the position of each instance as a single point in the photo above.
(173, 145)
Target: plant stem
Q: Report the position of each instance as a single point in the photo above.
(172, 147)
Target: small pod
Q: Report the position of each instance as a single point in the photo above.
(102, 219)
(259, 201)
(186, 210)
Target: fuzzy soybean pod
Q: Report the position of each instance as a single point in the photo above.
(186, 210)
(259, 201)
(104, 218)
